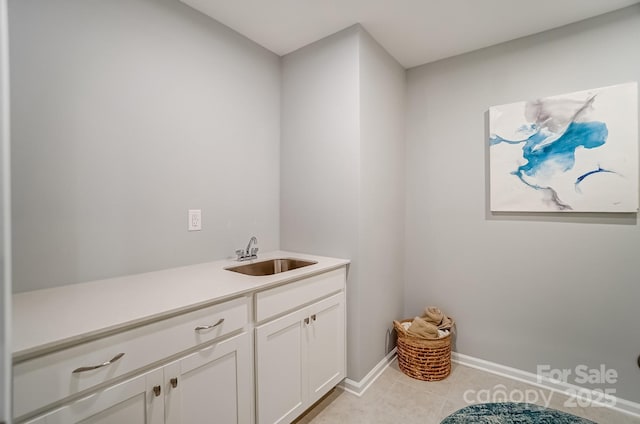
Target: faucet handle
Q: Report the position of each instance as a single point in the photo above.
(239, 253)
(254, 251)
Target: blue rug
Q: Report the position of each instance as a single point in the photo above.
(511, 413)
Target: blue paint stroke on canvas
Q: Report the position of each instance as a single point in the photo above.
(588, 174)
(556, 134)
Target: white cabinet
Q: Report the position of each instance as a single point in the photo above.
(212, 382)
(300, 356)
(135, 401)
(198, 365)
(280, 358)
(211, 385)
(50, 378)
(214, 371)
(326, 350)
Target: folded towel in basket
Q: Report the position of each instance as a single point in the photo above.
(436, 317)
(423, 329)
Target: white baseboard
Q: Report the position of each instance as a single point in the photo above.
(621, 405)
(359, 387)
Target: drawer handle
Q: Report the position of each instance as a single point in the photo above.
(208, 327)
(174, 382)
(95, 367)
(306, 321)
(157, 390)
(313, 317)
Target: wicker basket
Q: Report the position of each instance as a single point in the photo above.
(428, 360)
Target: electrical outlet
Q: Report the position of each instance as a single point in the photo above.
(195, 220)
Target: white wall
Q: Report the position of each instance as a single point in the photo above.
(125, 115)
(341, 189)
(5, 220)
(525, 289)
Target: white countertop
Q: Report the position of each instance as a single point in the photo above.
(47, 319)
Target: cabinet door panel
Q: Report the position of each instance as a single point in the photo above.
(124, 412)
(131, 402)
(325, 337)
(281, 395)
(213, 385)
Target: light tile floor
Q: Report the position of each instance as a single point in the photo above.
(396, 398)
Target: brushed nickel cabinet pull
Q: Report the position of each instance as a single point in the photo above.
(313, 317)
(95, 367)
(306, 321)
(208, 327)
(174, 382)
(157, 390)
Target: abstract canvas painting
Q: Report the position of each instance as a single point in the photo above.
(574, 152)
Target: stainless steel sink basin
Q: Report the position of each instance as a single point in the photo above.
(271, 266)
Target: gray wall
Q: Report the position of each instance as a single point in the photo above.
(320, 146)
(126, 114)
(341, 189)
(319, 192)
(525, 289)
(381, 212)
(5, 228)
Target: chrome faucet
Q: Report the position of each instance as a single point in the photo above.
(249, 252)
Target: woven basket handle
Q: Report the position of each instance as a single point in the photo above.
(399, 328)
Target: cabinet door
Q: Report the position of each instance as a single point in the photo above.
(280, 356)
(325, 341)
(132, 401)
(211, 385)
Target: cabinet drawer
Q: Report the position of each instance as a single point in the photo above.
(50, 378)
(278, 300)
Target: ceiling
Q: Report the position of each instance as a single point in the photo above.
(413, 31)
